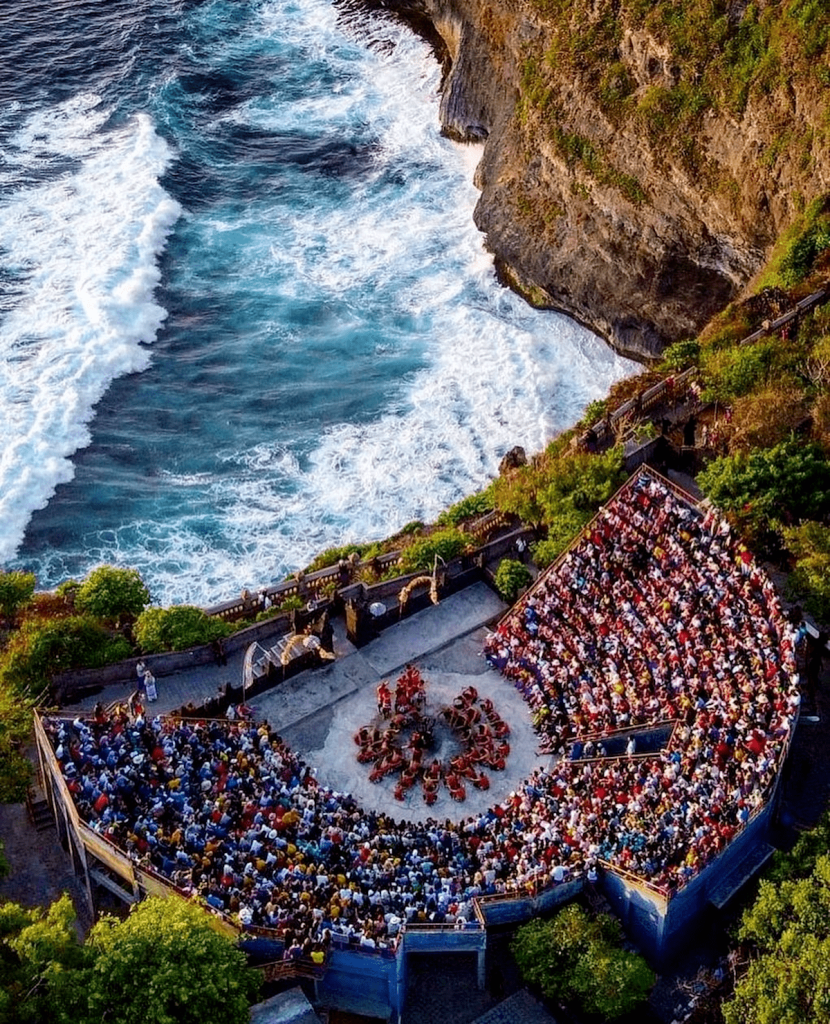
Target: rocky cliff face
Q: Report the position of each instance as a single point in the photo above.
(610, 188)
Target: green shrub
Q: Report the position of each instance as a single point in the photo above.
(413, 526)
(473, 505)
(582, 482)
(177, 628)
(800, 246)
(578, 960)
(291, 603)
(562, 486)
(331, 556)
(16, 774)
(809, 581)
(67, 591)
(800, 861)
(595, 412)
(444, 544)
(511, 578)
(788, 931)
(16, 588)
(111, 594)
(15, 732)
(681, 355)
(734, 372)
(801, 256)
(563, 529)
(545, 552)
(42, 648)
(615, 88)
(165, 962)
(771, 486)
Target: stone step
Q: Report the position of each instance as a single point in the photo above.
(40, 815)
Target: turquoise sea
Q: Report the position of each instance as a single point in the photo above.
(244, 311)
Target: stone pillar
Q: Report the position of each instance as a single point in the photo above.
(482, 968)
(354, 622)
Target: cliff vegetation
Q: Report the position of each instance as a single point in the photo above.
(642, 158)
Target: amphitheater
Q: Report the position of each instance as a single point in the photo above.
(623, 727)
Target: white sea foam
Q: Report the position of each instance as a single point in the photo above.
(483, 371)
(82, 243)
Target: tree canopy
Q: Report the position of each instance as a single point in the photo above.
(16, 588)
(576, 959)
(809, 581)
(43, 648)
(112, 593)
(36, 948)
(785, 483)
(562, 489)
(177, 628)
(164, 964)
(788, 981)
(444, 544)
(511, 576)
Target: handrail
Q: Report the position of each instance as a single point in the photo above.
(800, 307)
(635, 880)
(646, 400)
(303, 967)
(442, 926)
(613, 733)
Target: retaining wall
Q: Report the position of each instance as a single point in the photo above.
(69, 687)
(661, 926)
(364, 982)
(516, 910)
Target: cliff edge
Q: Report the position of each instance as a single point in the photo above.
(641, 157)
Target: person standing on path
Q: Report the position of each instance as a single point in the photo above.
(150, 686)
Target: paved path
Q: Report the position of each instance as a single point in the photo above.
(194, 685)
(432, 628)
(425, 631)
(318, 712)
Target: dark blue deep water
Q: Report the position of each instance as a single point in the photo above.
(244, 311)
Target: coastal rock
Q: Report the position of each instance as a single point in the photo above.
(513, 459)
(640, 237)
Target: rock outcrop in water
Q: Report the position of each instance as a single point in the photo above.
(641, 159)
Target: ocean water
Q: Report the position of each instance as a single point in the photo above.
(244, 311)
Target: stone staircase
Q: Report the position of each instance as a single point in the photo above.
(40, 813)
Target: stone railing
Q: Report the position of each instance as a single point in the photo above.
(676, 386)
(325, 582)
(69, 687)
(770, 326)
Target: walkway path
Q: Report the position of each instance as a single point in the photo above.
(310, 690)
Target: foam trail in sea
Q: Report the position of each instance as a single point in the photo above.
(80, 236)
(339, 358)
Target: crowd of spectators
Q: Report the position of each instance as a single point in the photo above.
(227, 811)
(655, 614)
